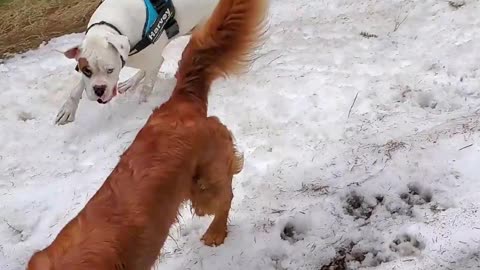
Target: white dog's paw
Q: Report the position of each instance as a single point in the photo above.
(132, 83)
(126, 86)
(66, 113)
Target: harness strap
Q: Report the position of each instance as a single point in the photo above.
(172, 29)
(104, 23)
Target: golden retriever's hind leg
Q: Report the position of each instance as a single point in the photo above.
(217, 231)
(212, 194)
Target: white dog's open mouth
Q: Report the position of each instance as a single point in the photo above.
(106, 100)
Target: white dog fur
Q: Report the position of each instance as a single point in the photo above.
(103, 46)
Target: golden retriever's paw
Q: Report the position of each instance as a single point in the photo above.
(214, 238)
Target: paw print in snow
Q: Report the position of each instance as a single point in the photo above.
(416, 195)
(407, 245)
(358, 206)
(295, 229)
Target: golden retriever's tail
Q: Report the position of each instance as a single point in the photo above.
(222, 46)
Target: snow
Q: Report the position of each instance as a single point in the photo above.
(391, 179)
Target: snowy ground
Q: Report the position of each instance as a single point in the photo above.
(389, 183)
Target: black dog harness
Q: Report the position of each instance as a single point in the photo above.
(160, 16)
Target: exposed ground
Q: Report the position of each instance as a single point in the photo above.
(26, 24)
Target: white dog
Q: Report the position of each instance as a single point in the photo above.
(128, 33)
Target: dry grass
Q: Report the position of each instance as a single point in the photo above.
(25, 24)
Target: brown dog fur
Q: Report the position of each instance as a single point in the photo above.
(179, 154)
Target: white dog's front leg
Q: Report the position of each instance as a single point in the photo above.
(69, 108)
(151, 77)
(131, 83)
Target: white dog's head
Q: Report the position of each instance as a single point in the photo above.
(100, 59)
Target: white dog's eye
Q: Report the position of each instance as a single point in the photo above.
(110, 70)
(87, 72)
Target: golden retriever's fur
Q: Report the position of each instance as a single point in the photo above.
(180, 154)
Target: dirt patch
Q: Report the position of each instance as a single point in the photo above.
(25, 24)
(355, 255)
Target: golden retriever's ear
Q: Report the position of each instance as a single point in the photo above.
(39, 261)
(72, 53)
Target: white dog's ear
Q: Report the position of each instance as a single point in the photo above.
(72, 53)
(120, 43)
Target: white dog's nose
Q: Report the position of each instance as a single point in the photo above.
(99, 90)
